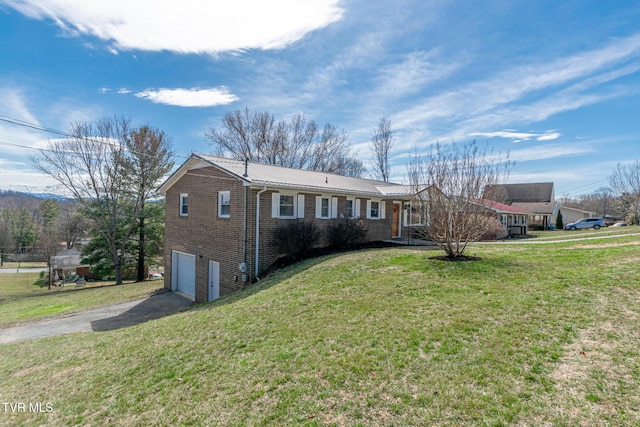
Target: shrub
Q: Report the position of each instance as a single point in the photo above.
(346, 233)
(495, 230)
(297, 238)
(536, 227)
(559, 223)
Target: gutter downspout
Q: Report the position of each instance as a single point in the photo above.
(244, 239)
(258, 230)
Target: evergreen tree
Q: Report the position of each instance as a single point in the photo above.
(559, 224)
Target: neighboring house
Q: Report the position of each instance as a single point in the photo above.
(513, 219)
(570, 215)
(69, 263)
(222, 215)
(536, 198)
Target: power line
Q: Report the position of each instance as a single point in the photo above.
(41, 128)
(602, 181)
(19, 122)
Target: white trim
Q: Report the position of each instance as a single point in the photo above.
(300, 207)
(319, 200)
(357, 209)
(213, 282)
(380, 209)
(334, 207)
(183, 197)
(275, 205)
(318, 207)
(353, 207)
(221, 194)
(276, 208)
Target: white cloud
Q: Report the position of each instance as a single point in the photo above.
(416, 70)
(519, 136)
(549, 151)
(492, 102)
(19, 178)
(190, 97)
(188, 26)
(13, 136)
(14, 100)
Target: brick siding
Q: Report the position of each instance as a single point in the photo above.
(208, 237)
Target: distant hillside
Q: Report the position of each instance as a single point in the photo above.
(30, 201)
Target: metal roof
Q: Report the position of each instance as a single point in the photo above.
(536, 192)
(259, 174)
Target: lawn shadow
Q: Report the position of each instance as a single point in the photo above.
(158, 305)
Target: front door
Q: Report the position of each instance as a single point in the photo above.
(395, 226)
(214, 280)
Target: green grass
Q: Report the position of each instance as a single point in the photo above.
(529, 335)
(577, 234)
(23, 299)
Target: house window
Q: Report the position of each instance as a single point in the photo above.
(224, 204)
(184, 205)
(324, 208)
(349, 208)
(415, 215)
(286, 206)
(283, 206)
(374, 211)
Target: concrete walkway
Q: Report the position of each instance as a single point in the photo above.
(105, 318)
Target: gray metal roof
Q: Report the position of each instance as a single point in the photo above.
(536, 192)
(259, 174)
(68, 258)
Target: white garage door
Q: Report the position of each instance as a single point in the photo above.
(184, 273)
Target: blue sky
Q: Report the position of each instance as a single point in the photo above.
(556, 84)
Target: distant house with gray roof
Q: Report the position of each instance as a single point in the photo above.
(537, 198)
(222, 216)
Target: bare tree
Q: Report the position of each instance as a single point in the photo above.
(257, 136)
(448, 185)
(72, 224)
(89, 163)
(625, 182)
(111, 170)
(381, 144)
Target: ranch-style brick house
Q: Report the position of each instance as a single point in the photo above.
(221, 216)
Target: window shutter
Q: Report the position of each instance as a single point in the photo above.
(275, 205)
(383, 208)
(300, 207)
(334, 207)
(368, 216)
(318, 206)
(356, 210)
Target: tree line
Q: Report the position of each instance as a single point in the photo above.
(113, 170)
(620, 199)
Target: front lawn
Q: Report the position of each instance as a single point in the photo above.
(529, 335)
(22, 298)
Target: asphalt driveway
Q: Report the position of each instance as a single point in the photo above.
(105, 318)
